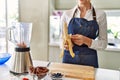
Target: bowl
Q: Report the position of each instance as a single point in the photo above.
(4, 57)
(57, 76)
(39, 72)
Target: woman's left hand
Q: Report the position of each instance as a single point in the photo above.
(80, 39)
(77, 39)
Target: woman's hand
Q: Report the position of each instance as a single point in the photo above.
(77, 39)
(80, 39)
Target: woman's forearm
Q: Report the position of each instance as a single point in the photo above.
(87, 41)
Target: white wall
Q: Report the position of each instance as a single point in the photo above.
(36, 11)
(52, 5)
(106, 4)
(64, 4)
(103, 4)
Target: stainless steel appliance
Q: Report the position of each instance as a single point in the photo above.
(20, 35)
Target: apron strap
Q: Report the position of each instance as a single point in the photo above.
(74, 13)
(93, 13)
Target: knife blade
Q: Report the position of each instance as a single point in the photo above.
(48, 64)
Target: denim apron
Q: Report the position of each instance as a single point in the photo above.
(83, 54)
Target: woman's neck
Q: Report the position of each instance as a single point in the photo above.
(84, 7)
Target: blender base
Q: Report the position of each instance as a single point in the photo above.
(14, 73)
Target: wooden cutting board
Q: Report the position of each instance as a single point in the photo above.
(74, 71)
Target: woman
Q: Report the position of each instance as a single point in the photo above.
(88, 27)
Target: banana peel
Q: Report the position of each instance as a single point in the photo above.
(67, 38)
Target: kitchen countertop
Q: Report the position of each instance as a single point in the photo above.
(100, 74)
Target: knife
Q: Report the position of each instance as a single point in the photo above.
(48, 64)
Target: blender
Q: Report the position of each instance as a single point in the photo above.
(20, 35)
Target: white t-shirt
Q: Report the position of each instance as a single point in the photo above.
(101, 41)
